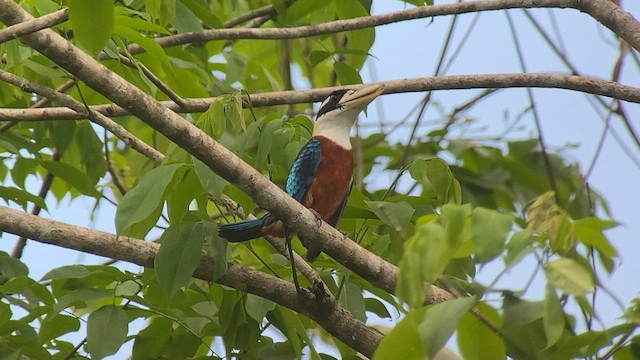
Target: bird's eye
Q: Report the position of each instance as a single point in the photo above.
(332, 102)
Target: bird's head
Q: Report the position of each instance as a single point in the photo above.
(340, 110)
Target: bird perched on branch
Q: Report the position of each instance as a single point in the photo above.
(321, 176)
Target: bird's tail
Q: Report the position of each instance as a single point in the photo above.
(241, 231)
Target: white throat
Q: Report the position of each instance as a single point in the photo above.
(336, 128)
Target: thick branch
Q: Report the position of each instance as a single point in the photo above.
(491, 81)
(604, 11)
(222, 161)
(333, 318)
(27, 27)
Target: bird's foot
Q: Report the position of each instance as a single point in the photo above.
(318, 217)
(344, 234)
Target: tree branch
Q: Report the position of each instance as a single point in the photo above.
(18, 249)
(80, 109)
(218, 158)
(333, 318)
(488, 81)
(27, 27)
(604, 11)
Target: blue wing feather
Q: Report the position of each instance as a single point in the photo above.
(300, 178)
(304, 170)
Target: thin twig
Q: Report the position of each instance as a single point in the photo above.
(39, 104)
(79, 109)
(427, 98)
(18, 249)
(536, 117)
(623, 46)
(114, 176)
(136, 64)
(75, 349)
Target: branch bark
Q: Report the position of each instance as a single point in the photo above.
(331, 316)
(27, 27)
(604, 11)
(451, 82)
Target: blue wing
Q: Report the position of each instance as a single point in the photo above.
(304, 170)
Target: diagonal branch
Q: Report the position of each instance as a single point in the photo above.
(222, 161)
(451, 82)
(331, 316)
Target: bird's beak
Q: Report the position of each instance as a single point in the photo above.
(362, 97)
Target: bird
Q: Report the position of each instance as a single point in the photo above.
(322, 174)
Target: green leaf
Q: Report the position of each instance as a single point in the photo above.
(150, 45)
(217, 250)
(590, 232)
(266, 141)
(352, 300)
(179, 255)
(316, 57)
(236, 66)
(403, 341)
(426, 255)
(71, 176)
(397, 215)
(632, 313)
(22, 168)
(123, 17)
(519, 312)
(346, 74)
(569, 276)
(475, 340)
(563, 239)
(213, 121)
(441, 321)
(423, 331)
(5, 313)
(92, 23)
(454, 218)
(185, 21)
(212, 182)
(68, 272)
(152, 341)
(203, 13)
(517, 247)
(146, 198)
(91, 151)
(377, 307)
(162, 10)
(56, 325)
(21, 197)
(553, 319)
(107, 330)
(436, 179)
(489, 230)
(182, 195)
(62, 133)
(257, 307)
(11, 267)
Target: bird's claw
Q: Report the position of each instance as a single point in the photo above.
(318, 217)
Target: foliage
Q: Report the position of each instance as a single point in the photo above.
(487, 206)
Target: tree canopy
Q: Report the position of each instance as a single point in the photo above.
(184, 114)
